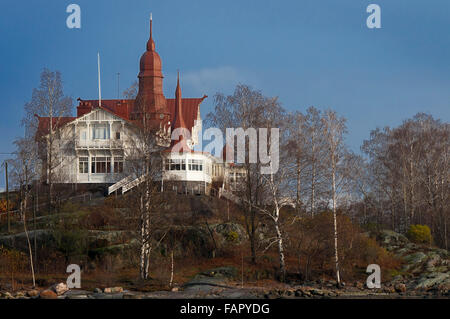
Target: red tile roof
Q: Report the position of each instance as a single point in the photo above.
(57, 122)
(189, 108)
(123, 108)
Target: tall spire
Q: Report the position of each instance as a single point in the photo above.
(179, 120)
(181, 141)
(178, 90)
(151, 43)
(150, 99)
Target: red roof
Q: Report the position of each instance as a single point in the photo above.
(57, 122)
(123, 108)
(189, 108)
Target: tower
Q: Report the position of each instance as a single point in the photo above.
(150, 103)
(178, 121)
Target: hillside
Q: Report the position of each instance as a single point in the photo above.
(205, 240)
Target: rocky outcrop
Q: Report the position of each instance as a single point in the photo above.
(425, 268)
(211, 279)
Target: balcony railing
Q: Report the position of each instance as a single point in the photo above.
(99, 144)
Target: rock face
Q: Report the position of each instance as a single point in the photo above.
(391, 238)
(211, 279)
(425, 268)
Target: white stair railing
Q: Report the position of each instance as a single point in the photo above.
(126, 184)
(119, 184)
(133, 184)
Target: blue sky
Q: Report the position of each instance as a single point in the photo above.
(307, 52)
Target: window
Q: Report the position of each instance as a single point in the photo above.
(83, 167)
(101, 165)
(83, 135)
(117, 135)
(118, 165)
(175, 165)
(100, 132)
(195, 165)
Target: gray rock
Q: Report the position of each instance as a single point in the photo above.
(415, 258)
(77, 297)
(107, 296)
(113, 290)
(391, 238)
(60, 288)
(432, 279)
(72, 293)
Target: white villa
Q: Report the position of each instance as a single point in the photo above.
(93, 147)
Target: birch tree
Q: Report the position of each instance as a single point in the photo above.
(144, 165)
(297, 155)
(315, 152)
(334, 129)
(248, 109)
(50, 102)
(23, 174)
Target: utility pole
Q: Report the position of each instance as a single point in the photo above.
(7, 198)
(36, 201)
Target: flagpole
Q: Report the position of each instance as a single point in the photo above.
(99, 81)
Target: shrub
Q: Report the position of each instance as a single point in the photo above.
(232, 237)
(420, 234)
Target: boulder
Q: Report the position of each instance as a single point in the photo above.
(400, 287)
(6, 295)
(391, 238)
(60, 288)
(33, 293)
(48, 294)
(113, 290)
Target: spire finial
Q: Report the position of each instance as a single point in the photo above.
(151, 22)
(150, 43)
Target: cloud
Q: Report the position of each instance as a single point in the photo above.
(211, 80)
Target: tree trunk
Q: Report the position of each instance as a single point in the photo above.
(280, 251)
(24, 214)
(171, 269)
(336, 256)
